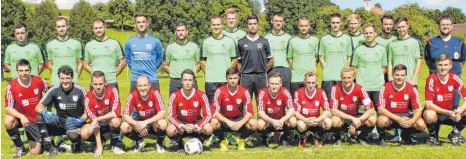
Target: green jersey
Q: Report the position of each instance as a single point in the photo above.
(30, 52)
(236, 35)
(303, 52)
(370, 60)
(61, 53)
(406, 52)
(336, 51)
(218, 54)
(382, 41)
(103, 56)
(181, 57)
(279, 44)
(357, 39)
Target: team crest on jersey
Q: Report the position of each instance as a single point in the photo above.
(259, 45)
(355, 98)
(450, 88)
(195, 103)
(344, 107)
(75, 98)
(279, 102)
(406, 96)
(36, 91)
(106, 101)
(456, 55)
(151, 104)
(238, 101)
(148, 46)
(316, 103)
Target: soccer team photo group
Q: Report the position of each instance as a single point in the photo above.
(240, 89)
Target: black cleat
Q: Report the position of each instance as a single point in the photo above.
(382, 143)
(454, 139)
(20, 151)
(432, 141)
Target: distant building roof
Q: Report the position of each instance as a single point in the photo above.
(377, 10)
(459, 28)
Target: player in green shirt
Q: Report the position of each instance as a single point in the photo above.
(23, 49)
(336, 49)
(370, 59)
(279, 42)
(405, 50)
(179, 56)
(386, 35)
(231, 28)
(104, 54)
(64, 51)
(218, 53)
(354, 23)
(302, 52)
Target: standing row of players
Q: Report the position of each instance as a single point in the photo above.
(253, 54)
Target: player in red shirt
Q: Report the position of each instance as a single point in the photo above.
(397, 101)
(189, 111)
(308, 101)
(275, 110)
(345, 99)
(148, 104)
(21, 97)
(232, 110)
(439, 96)
(102, 106)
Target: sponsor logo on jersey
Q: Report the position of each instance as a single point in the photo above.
(195, 103)
(96, 106)
(151, 104)
(355, 98)
(148, 46)
(279, 102)
(393, 104)
(229, 107)
(316, 103)
(268, 102)
(406, 96)
(184, 112)
(341, 98)
(238, 101)
(75, 98)
(25, 102)
(344, 107)
(450, 88)
(62, 105)
(106, 101)
(134, 45)
(305, 111)
(36, 91)
(304, 102)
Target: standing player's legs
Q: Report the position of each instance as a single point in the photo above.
(246, 81)
(286, 76)
(210, 88)
(295, 86)
(327, 86)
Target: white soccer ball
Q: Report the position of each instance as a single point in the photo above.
(193, 146)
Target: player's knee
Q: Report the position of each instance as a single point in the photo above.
(336, 122)
(40, 118)
(171, 130)
(162, 124)
(73, 135)
(382, 121)
(301, 126)
(208, 129)
(10, 122)
(215, 123)
(252, 124)
(292, 122)
(371, 121)
(115, 122)
(430, 116)
(327, 124)
(125, 128)
(261, 125)
(420, 124)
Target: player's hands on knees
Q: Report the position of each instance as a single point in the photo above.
(235, 126)
(352, 129)
(188, 128)
(356, 122)
(276, 124)
(313, 122)
(73, 123)
(407, 123)
(24, 121)
(143, 132)
(49, 117)
(141, 125)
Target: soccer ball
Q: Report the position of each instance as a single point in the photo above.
(193, 146)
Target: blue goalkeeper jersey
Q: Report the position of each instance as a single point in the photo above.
(455, 48)
(144, 56)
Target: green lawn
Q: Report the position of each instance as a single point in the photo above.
(328, 151)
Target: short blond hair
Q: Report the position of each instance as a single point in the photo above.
(230, 11)
(348, 69)
(355, 17)
(368, 26)
(310, 74)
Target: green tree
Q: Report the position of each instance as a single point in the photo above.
(13, 12)
(456, 14)
(122, 13)
(41, 22)
(81, 18)
(434, 14)
(421, 27)
(101, 10)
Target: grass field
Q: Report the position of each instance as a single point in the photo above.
(328, 151)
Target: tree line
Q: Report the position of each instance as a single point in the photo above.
(196, 14)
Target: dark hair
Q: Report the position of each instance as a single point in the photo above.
(66, 70)
(335, 15)
(179, 24)
(275, 74)
(304, 17)
(279, 14)
(232, 71)
(98, 20)
(19, 26)
(252, 16)
(23, 62)
(97, 74)
(446, 17)
(400, 67)
(401, 19)
(189, 72)
(141, 15)
(385, 17)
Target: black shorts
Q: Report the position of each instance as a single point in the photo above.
(327, 86)
(286, 76)
(58, 130)
(210, 88)
(254, 82)
(348, 123)
(32, 131)
(226, 128)
(175, 84)
(152, 84)
(295, 86)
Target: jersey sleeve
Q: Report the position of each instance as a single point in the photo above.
(49, 96)
(289, 100)
(216, 104)
(119, 52)
(366, 101)
(49, 51)
(158, 50)
(206, 113)
(9, 99)
(429, 90)
(334, 95)
(45, 85)
(248, 105)
(128, 54)
(428, 56)
(349, 48)
(417, 46)
(40, 55)
(87, 54)
(79, 51)
(90, 110)
(160, 105)
(384, 60)
(172, 111)
(129, 106)
(389, 53)
(355, 58)
(414, 99)
(324, 100)
(268, 49)
(297, 105)
(196, 54)
(321, 48)
(116, 106)
(233, 50)
(289, 52)
(6, 59)
(383, 94)
(203, 52)
(460, 85)
(261, 108)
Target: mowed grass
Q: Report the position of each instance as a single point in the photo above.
(328, 151)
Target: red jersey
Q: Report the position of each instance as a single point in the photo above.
(110, 102)
(309, 105)
(274, 107)
(24, 98)
(441, 93)
(189, 109)
(232, 105)
(146, 108)
(398, 100)
(348, 102)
